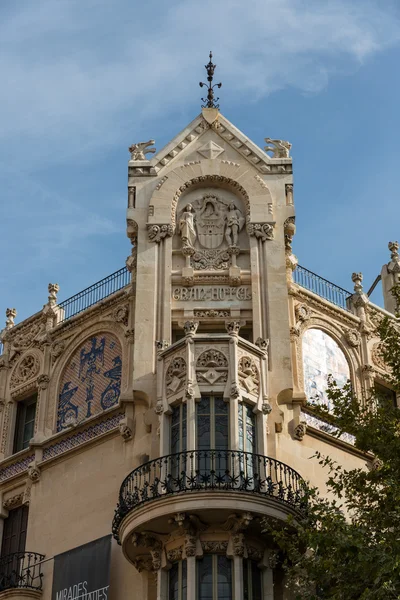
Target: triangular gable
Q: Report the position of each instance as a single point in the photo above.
(228, 132)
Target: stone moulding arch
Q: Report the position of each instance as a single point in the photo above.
(224, 173)
(72, 345)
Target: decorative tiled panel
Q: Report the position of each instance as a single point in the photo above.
(91, 381)
(317, 423)
(322, 357)
(81, 437)
(16, 468)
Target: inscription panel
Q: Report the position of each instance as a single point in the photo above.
(211, 293)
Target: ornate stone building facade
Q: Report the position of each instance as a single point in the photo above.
(168, 403)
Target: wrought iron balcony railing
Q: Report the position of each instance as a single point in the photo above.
(322, 287)
(201, 470)
(21, 570)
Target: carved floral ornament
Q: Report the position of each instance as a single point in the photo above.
(157, 233)
(261, 231)
(249, 378)
(212, 367)
(377, 356)
(176, 375)
(353, 337)
(26, 370)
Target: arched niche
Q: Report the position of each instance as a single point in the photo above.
(91, 379)
(322, 356)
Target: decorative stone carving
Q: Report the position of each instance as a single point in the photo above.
(189, 390)
(130, 335)
(303, 312)
(210, 260)
(162, 345)
(57, 348)
(209, 180)
(376, 464)
(34, 472)
(212, 367)
(210, 150)
(190, 545)
(190, 328)
(159, 408)
(139, 151)
(300, 430)
(233, 327)
(126, 429)
(174, 554)
(214, 546)
(11, 313)
(235, 392)
(289, 193)
(120, 314)
(359, 298)
(175, 375)
(263, 344)
(249, 378)
(143, 562)
(279, 148)
(26, 370)
(377, 356)
(213, 314)
(238, 544)
(266, 408)
(43, 381)
(353, 337)
(53, 288)
(394, 265)
(157, 233)
(262, 231)
(289, 229)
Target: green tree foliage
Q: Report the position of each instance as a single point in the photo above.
(347, 546)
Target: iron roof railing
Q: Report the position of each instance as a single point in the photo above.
(322, 287)
(94, 293)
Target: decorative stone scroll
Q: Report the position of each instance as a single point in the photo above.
(262, 231)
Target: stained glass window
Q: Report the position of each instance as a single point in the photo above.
(177, 581)
(247, 428)
(178, 429)
(214, 578)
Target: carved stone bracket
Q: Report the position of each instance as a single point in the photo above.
(263, 344)
(190, 328)
(300, 430)
(34, 472)
(262, 231)
(43, 381)
(157, 233)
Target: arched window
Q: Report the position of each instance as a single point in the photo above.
(322, 356)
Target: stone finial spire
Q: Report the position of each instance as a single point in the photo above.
(210, 101)
(11, 313)
(359, 299)
(390, 275)
(53, 288)
(357, 280)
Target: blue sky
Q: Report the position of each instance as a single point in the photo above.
(83, 79)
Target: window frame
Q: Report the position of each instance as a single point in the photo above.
(21, 422)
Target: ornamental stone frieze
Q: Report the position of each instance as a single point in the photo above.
(26, 370)
(261, 231)
(157, 233)
(120, 314)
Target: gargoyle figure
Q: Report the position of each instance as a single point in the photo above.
(280, 148)
(139, 151)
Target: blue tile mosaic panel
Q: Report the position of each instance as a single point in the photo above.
(322, 357)
(91, 381)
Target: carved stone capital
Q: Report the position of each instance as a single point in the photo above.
(190, 328)
(263, 344)
(262, 231)
(157, 233)
(233, 327)
(238, 545)
(190, 545)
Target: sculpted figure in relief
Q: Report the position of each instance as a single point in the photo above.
(234, 223)
(186, 227)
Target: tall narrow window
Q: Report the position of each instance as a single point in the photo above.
(13, 547)
(212, 435)
(247, 428)
(383, 394)
(178, 440)
(25, 423)
(252, 589)
(214, 578)
(177, 581)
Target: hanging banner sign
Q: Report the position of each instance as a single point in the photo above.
(84, 572)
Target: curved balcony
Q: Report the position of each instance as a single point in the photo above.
(221, 477)
(22, 572)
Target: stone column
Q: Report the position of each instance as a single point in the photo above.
(162, 584)
(233, 328)
(268, 584)
(191, 578)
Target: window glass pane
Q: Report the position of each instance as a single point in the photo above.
(224, 575)
(205, 578)
(250, 429)
(173, 583)
(221, 432)
(221, 407)
(384, 393)
(203, 407)
(184, 580)
(256, 581)
(246, 591)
